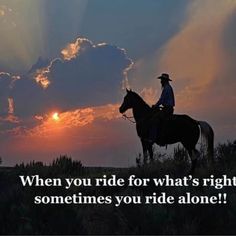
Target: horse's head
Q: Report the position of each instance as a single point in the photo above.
(128, 102)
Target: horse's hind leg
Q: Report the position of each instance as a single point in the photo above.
(193, 153)
(150, 151)
(196, 153)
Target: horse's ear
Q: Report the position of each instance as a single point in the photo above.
(128, 90)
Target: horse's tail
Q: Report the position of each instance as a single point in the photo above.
(207, 135)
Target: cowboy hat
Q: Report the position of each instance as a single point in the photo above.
(164, 76)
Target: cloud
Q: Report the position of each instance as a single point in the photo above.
(196, 53)
(149, 95)
(95, 135)
(199, 64)
(72, 49)
(47, 126)
(41, 73)
(29, 98)
(87, 133)
(82, 86)
(9, 119)
(88, 74)
(7, 82)
(10, 106)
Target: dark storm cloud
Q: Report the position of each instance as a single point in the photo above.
(87, 74)
(29, 98)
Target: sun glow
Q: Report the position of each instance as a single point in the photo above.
(55, 116)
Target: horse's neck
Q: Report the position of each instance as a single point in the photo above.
(140, 112)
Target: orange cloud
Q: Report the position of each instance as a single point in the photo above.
(72, 49)
(195, 56)
(197, 61)
(37, 117)
(10, 118)
(10, 106)
(41, 75)
(41, 79)
(77, 131)
(68, 120)
(149, 95)
(7, 102)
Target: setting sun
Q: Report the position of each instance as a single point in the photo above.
(55, 116)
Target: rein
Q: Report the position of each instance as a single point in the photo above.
(129, 118)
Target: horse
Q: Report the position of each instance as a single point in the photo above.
(179, 128)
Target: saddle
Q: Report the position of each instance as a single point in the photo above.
(155, 127)
(160, 120)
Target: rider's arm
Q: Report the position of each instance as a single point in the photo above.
(162, 99)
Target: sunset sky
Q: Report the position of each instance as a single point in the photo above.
(64, 67)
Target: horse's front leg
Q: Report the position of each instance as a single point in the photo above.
(145, 151)
(150, 150)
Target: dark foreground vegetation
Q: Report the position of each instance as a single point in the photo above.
(19, 214)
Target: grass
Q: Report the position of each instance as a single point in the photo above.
(20, 216)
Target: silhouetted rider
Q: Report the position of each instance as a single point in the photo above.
(165, 109)
(167, 99)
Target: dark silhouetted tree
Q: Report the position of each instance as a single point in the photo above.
(65, 165)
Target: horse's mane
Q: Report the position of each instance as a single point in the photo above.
(140, 99)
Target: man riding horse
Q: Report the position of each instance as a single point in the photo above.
(163, 109)
(176, 128)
